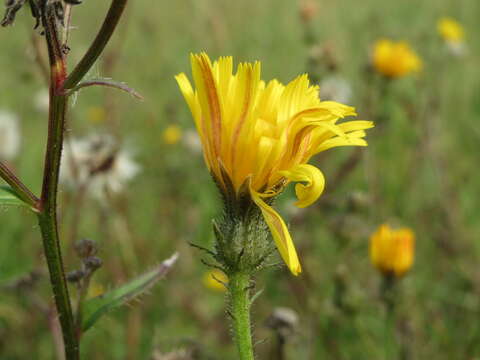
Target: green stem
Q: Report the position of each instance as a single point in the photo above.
(388, 299)
(51, 245)
(56, 125)
(47, 216)
(110, 23)
(239, 284)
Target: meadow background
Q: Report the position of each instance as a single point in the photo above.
(420, 170)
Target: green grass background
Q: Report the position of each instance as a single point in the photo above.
(420, 170)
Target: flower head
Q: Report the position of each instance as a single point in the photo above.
(284, 321)
(257, 137)
(41, 100)
(10, 138)
(192, 141)
(96, 114)
(308, 10)
(392, 251)
(172, 134)
(450, 30)
(95, 289)
(336, 88)
(395, 59)
(454, 36)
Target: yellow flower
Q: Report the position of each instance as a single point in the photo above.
(95, 289)
(392, 251)
(172, 134)
(450, 30)
(395, 59)
(96, 114)
(258, 137)
(213, 280)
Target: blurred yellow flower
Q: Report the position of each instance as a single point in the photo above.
(95, 289)
(96, 114)
(172, 134)
(450, 30)
(392, 251)
(211, 280)
(258, 137)
(395, 59)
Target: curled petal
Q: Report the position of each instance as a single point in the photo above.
(313, 183)
(280, 233)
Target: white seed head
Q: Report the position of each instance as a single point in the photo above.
(192, 141)
(97, 163)
(335, 88)
(41, 100)
(10, 137)
(456, 48)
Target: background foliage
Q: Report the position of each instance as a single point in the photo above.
(420, 171)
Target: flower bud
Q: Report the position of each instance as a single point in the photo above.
(92, 263)
(85, 248)
(75, 276)
(308, 10)
(283, 321)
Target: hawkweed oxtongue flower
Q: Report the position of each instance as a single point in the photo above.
(392, 253)
(450, 30)
(392, 250)
(172, 134)
(258, 137)
(395, 59)
(453, 35)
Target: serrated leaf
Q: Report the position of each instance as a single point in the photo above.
(9, 198)
(94, 309)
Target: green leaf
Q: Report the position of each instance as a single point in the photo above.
(94, 309)
(9, 198)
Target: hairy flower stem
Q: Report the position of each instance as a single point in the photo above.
(47, 209)
(47, 216)
(239, 287)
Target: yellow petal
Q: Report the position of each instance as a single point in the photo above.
(280, 234)
(338, 141)
(186, 89)
(356, 125)
(209, 99)
(339, 110)
(297, 95)
(379, 245)
(314, 181)
(404, 251)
